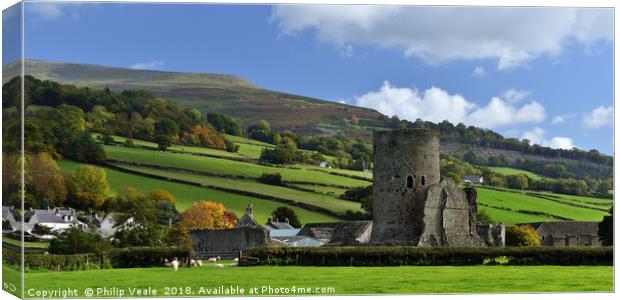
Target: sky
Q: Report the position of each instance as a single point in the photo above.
(542, 74)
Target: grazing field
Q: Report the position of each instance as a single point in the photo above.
(337, 171)
(187, 195)
(182, 148)
(322, 189)
(334, 280)
(512, 217)
(320, 200)
(521, 201)
(15, 242)
(513, 171)
(225, 167)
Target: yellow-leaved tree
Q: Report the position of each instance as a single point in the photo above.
(206, 214)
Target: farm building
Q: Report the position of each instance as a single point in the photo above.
(569, 233)
(57, 219)
(473, 179)
(339, 233)
(273, 224)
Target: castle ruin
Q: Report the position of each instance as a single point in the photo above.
(411, 206)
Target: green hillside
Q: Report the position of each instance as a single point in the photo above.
(330, 202)
(187, 195)
(213, 165)
(511, 206)
(513, 171)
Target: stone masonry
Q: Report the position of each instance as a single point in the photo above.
(410, 204)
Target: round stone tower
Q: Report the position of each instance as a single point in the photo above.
(406, 163)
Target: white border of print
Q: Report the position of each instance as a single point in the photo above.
(563, 3)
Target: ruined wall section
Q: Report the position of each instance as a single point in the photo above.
(449, 219)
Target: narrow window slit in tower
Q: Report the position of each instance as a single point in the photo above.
(409, 182)
(423, 180)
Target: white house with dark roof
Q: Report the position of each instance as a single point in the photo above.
(57, 219)
(473, 179)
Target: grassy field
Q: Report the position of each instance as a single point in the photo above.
(521, 201)
(513, 171)
(187, 195)
(26, 244)
(224, 167)
(182, 148)
(512, 217)
(338, 171)
(322, 189)
(320, 200)
(339, 280)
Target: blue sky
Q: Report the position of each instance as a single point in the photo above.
(544, 74)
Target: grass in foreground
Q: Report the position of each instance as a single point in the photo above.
(345, 280)
(187, 195)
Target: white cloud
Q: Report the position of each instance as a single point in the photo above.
(479, 71)
(152, 65)
(50, 11)
(512, 36)
(537, 136)
(514, 95)
(436, 105)
(559, 119)
(599, 117)
(500, 113)
(45, 11)
(560, 143)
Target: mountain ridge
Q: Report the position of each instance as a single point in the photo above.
(227, 94)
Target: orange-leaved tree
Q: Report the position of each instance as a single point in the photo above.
(206, 214)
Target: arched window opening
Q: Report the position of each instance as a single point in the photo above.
(409, 182)
(423, 180)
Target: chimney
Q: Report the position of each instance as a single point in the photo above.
(249, 210)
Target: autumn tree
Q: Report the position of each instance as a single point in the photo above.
(46, 179)
(205, 214)
(88, 187)
(524, 235)
(158, 195)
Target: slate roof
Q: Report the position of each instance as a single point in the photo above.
(565, 228)
(274, 225)
(322, 231)
(351, 232)
(7, 211)
(337, 233)
(284, 232)
(247, 221)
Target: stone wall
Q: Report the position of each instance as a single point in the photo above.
(492, 234)
(449, 218)
(406, 163)
(226, 242)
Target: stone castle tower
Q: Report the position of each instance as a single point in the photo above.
(410, 204)
(406, 163)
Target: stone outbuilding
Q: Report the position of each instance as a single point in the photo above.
(567, 233)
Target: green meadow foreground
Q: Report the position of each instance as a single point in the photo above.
(345, 280)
